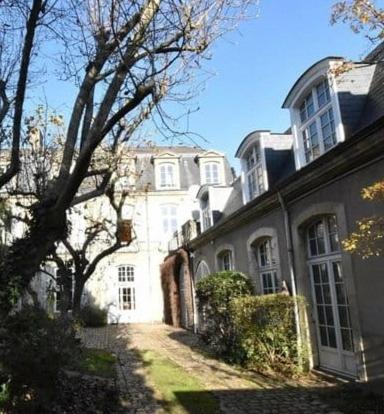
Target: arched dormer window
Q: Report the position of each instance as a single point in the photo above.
(254, 172)
(314, 103)
(317, 121)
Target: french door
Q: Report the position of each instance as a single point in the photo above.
(333, 323)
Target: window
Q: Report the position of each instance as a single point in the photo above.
(225, 260)
(169, 218)
(329, 293)
(267, 266)
(211, 173)
(167, 175)
(126, 274)
(317, 124)
(126, 279)
(206, 212)
(254, 172)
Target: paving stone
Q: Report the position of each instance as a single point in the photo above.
(235, 393)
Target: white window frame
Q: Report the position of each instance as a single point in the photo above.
(126, 283)
(169, 218)
(206, 214)
(167, 175)
(212, 172)
(254, 172)
(311, 125)
(267, 266)
(225, 260)
(328, 257)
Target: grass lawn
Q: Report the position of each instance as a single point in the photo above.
(181, 392)
(96, 362)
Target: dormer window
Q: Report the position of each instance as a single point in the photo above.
(211, 173)
(317, 128)
(167, 171)
(206, 212)
(254, 173)
(167, 175)
(211, 166)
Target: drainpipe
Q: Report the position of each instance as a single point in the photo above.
(288, 237)
(191, 257)
(148, 235)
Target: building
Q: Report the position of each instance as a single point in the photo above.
(297, 197)
(162, 183)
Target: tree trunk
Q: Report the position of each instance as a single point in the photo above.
(78, 293)
(24, 257)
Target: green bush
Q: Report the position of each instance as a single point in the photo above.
(266, 333)
(92, 316)
(33, 350)
(215, 293)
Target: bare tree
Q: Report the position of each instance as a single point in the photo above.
(78, 259)
(124, 59)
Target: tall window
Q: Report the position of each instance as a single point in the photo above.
(167, 175)
(211, 173)
(317, 122)
(206, 212)
(267, 266)
(126, 279)
(329, 294)
(254, 172)
(225, 260)
(169, 218)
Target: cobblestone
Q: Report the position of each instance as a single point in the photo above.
(235, 392)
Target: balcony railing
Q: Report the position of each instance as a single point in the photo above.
(189, 231)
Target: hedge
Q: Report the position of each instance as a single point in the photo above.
(266, 333)
(255, 331)
(215, 293)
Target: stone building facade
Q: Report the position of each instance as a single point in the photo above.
(297, 198)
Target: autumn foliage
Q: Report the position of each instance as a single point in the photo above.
(368, 239)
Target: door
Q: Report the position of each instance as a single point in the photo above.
(126, 294)
(331, 306)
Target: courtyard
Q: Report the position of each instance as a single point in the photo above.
(234, 391)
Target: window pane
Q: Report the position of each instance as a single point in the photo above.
(328, 129)
(346, 337)
(169, 219)
(322, 92)
(167, 179)
(332, 337)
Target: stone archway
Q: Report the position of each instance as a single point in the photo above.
(177, 290)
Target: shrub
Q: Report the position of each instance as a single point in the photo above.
(266, 333)
(33, 350)
(92, 316)
(215, 293)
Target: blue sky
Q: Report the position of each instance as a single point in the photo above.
(254, 69)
